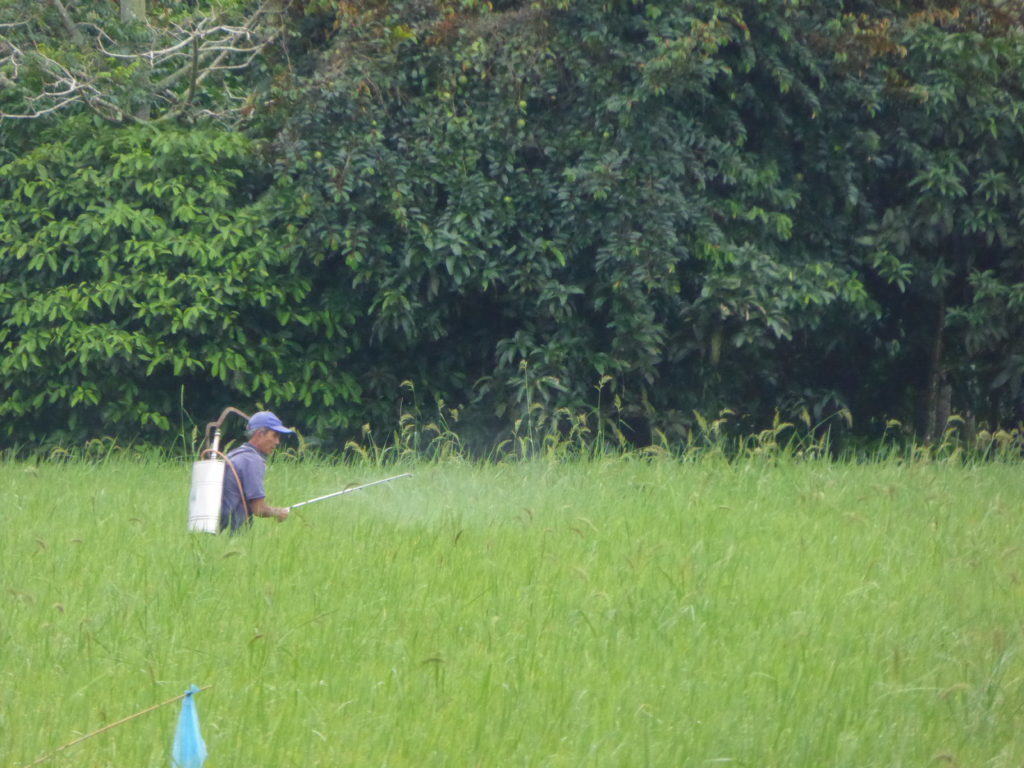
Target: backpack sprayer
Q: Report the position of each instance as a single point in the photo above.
(208, 481)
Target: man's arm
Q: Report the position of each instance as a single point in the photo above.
(260, 508)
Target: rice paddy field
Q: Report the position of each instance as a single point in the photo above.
(604, 612)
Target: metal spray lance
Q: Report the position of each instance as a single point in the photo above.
(349, 490)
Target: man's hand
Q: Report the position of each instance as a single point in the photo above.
(259, 508)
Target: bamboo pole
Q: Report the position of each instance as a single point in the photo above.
(122, 721)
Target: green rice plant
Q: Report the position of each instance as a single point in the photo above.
(594, 610)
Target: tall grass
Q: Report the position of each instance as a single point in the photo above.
(603, 611)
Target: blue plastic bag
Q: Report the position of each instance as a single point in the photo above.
(189, 748)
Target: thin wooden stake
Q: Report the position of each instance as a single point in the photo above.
(122, 721)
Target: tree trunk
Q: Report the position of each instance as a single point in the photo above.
(133, 10)
(69, 24)
(937, 393)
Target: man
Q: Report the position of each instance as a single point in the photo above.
(250, 462)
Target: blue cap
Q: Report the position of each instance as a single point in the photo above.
(267, 420)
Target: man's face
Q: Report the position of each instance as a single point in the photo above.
(265, 441)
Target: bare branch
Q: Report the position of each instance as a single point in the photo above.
(196, 50)
(38, 113)
(175, 76)
(164, 52)
(63, 89)
(233, 48)
(168, 81)
(248, 62)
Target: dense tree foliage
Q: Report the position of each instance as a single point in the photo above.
(632, 209)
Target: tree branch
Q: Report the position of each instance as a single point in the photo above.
(69, 24)
(246, 29)
(206, 44)
(39, 113)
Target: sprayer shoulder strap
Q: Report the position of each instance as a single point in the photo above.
(252, 465)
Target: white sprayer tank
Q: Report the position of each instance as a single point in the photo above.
(204, 498)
